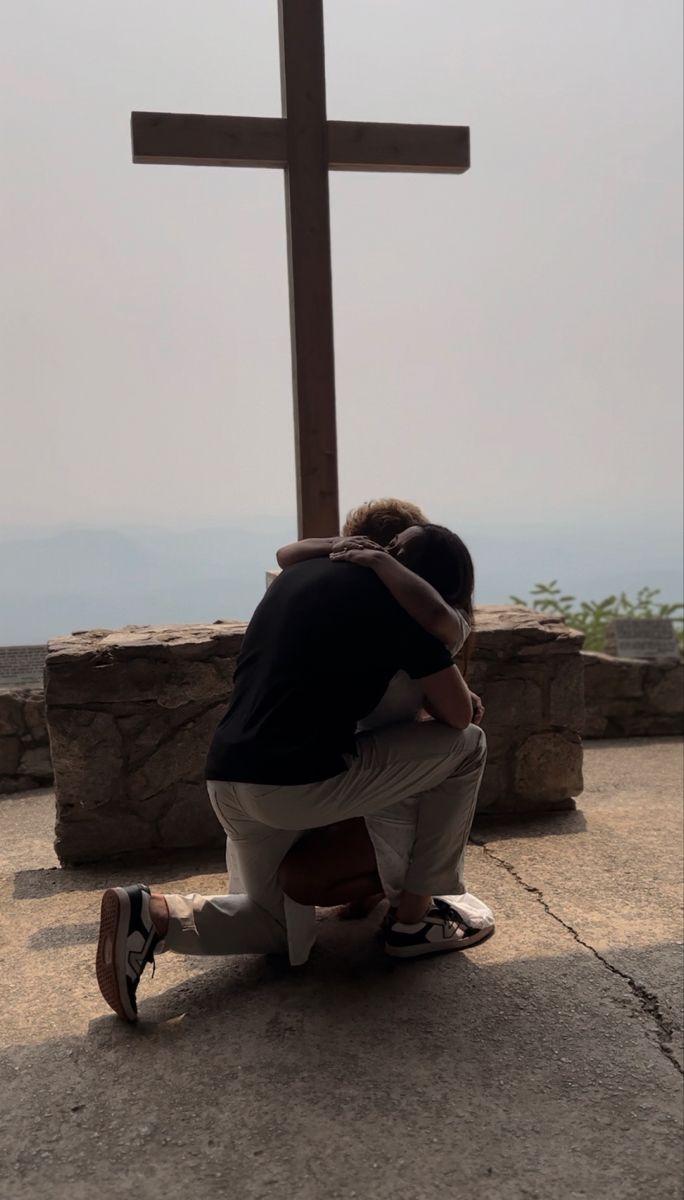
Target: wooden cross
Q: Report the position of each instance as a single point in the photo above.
(307, 146)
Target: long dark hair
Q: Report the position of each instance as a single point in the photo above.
(443, 560)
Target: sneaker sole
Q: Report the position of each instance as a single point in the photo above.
(426, 948)
(110, 961)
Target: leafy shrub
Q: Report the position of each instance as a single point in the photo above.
(592, 616)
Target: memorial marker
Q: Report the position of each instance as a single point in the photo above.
(22, 666)
(641, 637)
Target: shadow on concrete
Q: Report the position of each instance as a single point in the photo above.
(56, 937)
(497, 828)
(307, 1083)
(611, 744)
(28, 794)
(93, 877)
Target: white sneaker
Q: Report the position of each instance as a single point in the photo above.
(441, 929)
(127, 942)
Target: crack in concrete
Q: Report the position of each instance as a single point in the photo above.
(648, 1001)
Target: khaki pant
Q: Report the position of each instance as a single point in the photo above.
(436, 767)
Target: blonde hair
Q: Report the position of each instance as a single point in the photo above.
(381, 520)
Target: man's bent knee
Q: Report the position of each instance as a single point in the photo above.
(469, 745)
(480, 739)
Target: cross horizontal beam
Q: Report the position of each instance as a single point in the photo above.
(197, 140)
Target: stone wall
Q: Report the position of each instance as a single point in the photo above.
(131, 714)
(528, 669)
(623, 698)
(24, 751)
(627, 697)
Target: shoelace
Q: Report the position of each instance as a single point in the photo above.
(448, 913)
(150, 958)
(151, 951)
(445, 910)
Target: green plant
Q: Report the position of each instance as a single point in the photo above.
(592, 616)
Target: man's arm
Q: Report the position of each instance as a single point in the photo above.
(416, 596)
(447, 698)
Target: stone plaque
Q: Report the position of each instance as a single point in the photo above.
(642, 637)
(22, 666)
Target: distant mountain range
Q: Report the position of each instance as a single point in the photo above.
(55, 581)
(85, 578)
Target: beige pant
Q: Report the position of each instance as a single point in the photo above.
(437, 767)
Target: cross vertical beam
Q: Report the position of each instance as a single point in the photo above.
(307, 146)
(302, 67)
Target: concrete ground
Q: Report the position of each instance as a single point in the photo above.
(545, 1063)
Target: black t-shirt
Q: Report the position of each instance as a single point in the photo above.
(317, 657)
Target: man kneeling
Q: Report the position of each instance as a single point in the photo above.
(317, 657)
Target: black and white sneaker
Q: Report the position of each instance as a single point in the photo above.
(126, 945)
(441, 929)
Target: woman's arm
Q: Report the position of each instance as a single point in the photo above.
(422, 602)
(417, 597)
(297, 552)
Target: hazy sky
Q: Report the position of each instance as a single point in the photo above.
(507, 340)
